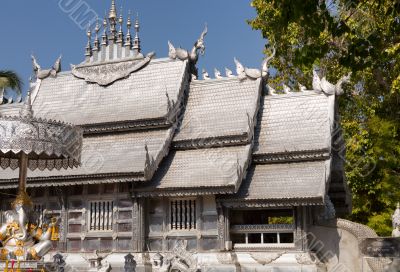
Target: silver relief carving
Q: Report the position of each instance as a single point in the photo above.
(265, 257)
(107, 73)
(36, 136)
(307, 258)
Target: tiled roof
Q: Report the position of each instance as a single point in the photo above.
(216, 109)
(217, 168)
(143, 95)
(287, 181)
(293, 123)
(212, 146)
(11, 109)
(115, 154)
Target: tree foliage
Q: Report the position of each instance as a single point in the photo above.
(9, 80)
(336, 37)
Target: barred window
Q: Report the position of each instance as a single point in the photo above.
(183, 214)
(101, 215)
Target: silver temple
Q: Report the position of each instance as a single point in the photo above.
(183, 174)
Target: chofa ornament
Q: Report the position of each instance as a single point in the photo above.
(41, 73)
(183, 54)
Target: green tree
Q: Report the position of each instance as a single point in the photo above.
(9, 80)
(336, 37)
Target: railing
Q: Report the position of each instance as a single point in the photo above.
(262, 228)
(256, 236)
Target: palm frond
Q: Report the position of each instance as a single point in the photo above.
(10, 79)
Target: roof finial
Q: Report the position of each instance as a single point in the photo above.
(96, 39)
(113, 11)
(104, 37)
(136, 41)
(128, 40)
(26, 110)
(120, 38)
(112, 17)
(89, 44)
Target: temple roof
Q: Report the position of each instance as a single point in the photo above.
(218, 110)
(299, 183)
(196, 171)
(105, 158)
(129, 101)
(296, 125)
(150, 121)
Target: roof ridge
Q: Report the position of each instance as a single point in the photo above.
(294, 94)
(212, 81)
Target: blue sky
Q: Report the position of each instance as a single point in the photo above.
(48, 29)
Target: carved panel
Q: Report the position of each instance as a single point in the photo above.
(107, 73)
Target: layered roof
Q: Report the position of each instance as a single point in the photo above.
(145, 98)
(294, 126)
(297, 183)
(129, 156)
(219, 112)
(209, 171)
(149, 120)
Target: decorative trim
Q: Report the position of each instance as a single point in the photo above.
(262, 228)
(208, 142)
(171, 192)
(266, 203)
(75, 180)
(294, 156)
(262, 247)
(266, 258)
(107, 73)
(50, 144)
(89, 129)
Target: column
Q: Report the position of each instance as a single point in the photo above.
(138, 225)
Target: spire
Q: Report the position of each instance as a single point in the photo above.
(120, 38)
(128, 40)
(112, 18)
(104, 37)
(96, 39)
(89, 44)
(113, 11)
(136, 41)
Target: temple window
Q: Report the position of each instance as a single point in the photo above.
(254, 228)
(183, 214)
(101, 215)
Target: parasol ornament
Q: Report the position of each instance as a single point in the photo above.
(41, 144)
(26, 141)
